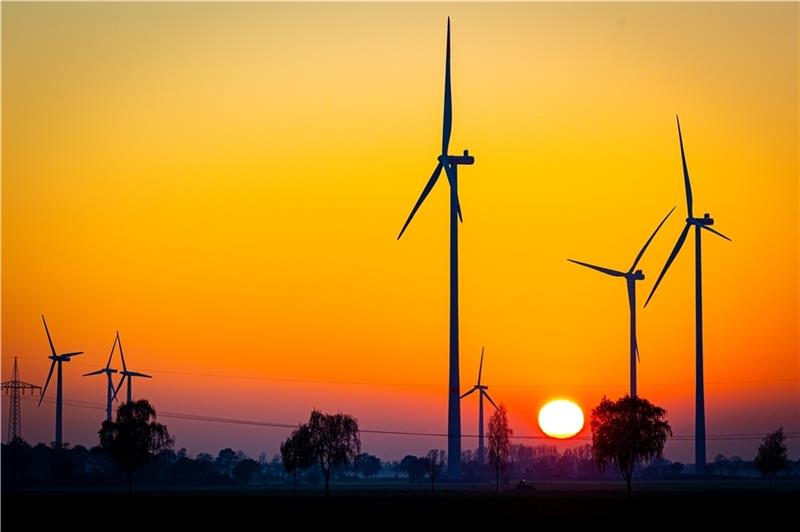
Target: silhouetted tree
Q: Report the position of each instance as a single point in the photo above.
(334, 441)
(415, 467)
(771, 457)
(368, 465)
(499, 441)
(244, 470)
(627, 431)
(297, 453)
(15, 462)
(134, 436)
(436, 459)
(736, 464)
(225, 461)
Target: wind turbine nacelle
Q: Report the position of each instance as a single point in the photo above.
(466, 158)
(705, 220)
(638, 275)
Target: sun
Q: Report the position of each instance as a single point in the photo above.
(561, 419)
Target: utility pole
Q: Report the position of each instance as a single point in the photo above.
(15, 388)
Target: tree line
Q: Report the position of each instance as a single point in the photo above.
(328, 447)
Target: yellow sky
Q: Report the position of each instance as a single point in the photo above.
(224, 185)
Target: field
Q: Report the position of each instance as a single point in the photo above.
(390, 505)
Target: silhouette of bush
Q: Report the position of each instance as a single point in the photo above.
(771, 456)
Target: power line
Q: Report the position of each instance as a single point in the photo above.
(388, 432)
(432, 385)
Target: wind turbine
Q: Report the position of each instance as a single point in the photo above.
(449, 163)
(699, 223)
(129, 375)
(481, 389)
(631, 277)
(108, 370)
(57, 359)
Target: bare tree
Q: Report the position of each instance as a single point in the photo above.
(499, 441)
(436, 460)
(626, 432)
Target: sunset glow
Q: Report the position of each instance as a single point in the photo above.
(224, 185)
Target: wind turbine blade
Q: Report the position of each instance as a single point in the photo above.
(471, 390)
(675, 250)
(121, 354)
(425, 191)
(448, 101)
(707, 228)
(486, 395)
(636, 346)
(46, 383)
(686, 182)
(116, 390)
(607, 271)
(137, 374)
(73, 354)
(458, 207)
(49, 339)
(480, 368)
(98, 372)
(113, 346)
(639, 256)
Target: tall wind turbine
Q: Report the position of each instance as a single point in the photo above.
(108, 370)
(449, 163)
(481, 389)
(126, 375)
(699, 223)
(631, 277)
(57, 359)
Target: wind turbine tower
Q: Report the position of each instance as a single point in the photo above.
(699, 225)
(631, 277)
(108, 371)
(126, 375)
(481, 389)
(57, 359)
(449, 163)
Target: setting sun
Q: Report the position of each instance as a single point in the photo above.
(561, 419)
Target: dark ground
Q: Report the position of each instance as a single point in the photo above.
(676, 506)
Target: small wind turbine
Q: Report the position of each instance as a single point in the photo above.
(129, 375)
(108, 370)
(57, 359)
(450, 165)
(699, 223)
(631, 277)
(481, 389)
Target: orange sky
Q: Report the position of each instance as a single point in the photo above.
(224, 185)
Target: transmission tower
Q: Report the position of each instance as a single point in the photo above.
(14, 388)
